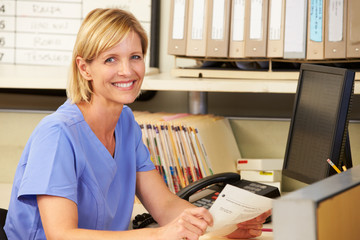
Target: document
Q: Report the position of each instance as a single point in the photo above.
(235, 205)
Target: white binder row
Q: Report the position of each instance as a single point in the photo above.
(291, 29)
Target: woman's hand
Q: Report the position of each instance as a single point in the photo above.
(190, 224)
(251, 228)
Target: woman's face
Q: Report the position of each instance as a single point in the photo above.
(117, 73)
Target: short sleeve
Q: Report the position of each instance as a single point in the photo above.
(50, 168)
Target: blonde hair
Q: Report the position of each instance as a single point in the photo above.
(101, 30)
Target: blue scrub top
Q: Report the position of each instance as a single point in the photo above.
(63, 157)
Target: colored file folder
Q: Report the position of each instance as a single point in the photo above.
(184, 147)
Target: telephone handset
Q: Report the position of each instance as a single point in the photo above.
(203, 193)
(220, 178)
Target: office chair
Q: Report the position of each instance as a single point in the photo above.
(3, 213)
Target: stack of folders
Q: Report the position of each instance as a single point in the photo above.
(291, 29)
(267, 171)
(185, 148)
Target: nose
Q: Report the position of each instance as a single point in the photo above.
(124, 68)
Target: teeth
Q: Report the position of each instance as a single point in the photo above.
(123, 85)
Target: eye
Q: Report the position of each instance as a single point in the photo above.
(136, 57)
(110, 60)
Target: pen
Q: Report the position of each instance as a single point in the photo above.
(333, 165)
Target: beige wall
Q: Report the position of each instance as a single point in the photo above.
(15, 129)
(266, 138)
(256, 138)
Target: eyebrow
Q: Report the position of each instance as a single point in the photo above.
(111, 54)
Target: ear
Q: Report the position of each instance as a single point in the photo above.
(83, 67)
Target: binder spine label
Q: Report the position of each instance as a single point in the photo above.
(316, 20)
(179, 20)
(238, 22)
(218, 20)
(198, 19)
(336, 19)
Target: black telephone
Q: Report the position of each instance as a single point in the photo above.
(203, 193)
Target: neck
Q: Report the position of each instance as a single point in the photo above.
(102, 121)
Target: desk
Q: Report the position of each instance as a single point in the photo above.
(139, 208)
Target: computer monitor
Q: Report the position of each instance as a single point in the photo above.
(319, 124)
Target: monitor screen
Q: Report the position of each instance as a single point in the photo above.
(319, 124)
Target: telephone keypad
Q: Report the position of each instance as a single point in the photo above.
(254, 187)
(206, 202)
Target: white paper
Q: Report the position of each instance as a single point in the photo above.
(48, 25)
(295, 29)
(235, 205)
(238, 20)
(256, 21)
(275, 20)
(179, 19)
(48, 9)
(198, 19)
(217, 29)
(336, 19)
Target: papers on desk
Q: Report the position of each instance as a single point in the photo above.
(235, 205)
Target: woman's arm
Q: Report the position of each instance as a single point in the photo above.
(60, 221)
(156, 197)
(175, 215)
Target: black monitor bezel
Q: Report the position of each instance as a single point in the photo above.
(340, 150)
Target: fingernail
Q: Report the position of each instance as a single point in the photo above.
(255, 232)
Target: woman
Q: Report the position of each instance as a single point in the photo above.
(83, 164)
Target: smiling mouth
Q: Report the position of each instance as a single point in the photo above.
(124, 85)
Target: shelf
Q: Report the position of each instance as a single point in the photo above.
(36, 77)
(250, 82)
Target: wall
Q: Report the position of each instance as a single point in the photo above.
(266, 138)
(256, 138)
(15, 129)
